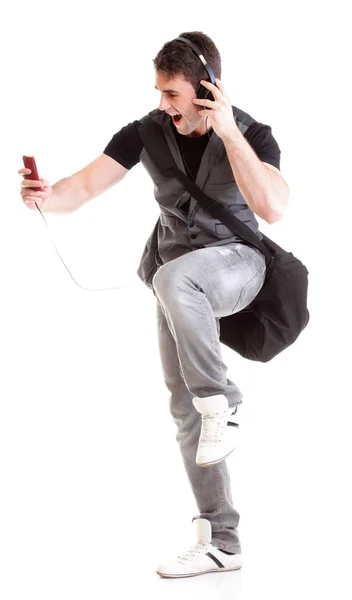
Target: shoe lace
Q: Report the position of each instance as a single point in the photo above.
(211, 426)
(192, 552)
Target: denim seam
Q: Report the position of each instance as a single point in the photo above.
(222, 503)
(245, 285)
(200, 302)
(215, 341)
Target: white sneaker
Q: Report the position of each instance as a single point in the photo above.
(201, 558)
(220, 429)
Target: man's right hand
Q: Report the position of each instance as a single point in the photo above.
(29, 197)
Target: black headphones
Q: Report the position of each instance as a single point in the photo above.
(202, 92)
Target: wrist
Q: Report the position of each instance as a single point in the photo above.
(232, 134)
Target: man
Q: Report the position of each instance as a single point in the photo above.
(198, 270)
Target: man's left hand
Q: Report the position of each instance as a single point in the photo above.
(221, 115)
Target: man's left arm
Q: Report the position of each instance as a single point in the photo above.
(261, 184)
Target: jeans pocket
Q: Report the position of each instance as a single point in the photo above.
(247, 252)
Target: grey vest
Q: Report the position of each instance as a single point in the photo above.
(176, 233)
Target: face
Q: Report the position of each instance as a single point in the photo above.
(176, 99)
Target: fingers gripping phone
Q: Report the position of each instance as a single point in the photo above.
(29, 163)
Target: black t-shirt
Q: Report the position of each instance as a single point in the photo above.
(126, 146)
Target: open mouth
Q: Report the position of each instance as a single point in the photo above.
(176, 119)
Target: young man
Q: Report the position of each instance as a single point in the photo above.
(205, 273)
(198, 270)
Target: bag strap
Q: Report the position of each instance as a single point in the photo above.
(155, 143)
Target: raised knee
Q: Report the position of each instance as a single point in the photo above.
(165, 279)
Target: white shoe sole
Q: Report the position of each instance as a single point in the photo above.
(172, 576)
(215, 462)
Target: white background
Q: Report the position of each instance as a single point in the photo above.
(93, 492)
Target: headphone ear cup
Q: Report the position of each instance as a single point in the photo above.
(203, 93)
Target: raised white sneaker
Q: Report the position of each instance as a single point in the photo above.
(201, 558)
(220, 429)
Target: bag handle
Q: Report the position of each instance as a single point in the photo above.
(155, 142)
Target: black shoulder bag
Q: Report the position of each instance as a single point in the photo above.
(279, 313)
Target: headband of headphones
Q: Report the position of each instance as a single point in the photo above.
(202, 91)
(201, 57)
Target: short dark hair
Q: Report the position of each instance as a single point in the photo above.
(177, 58)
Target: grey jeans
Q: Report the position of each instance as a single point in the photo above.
(193, 292)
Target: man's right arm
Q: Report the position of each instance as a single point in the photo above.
(72, 192)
